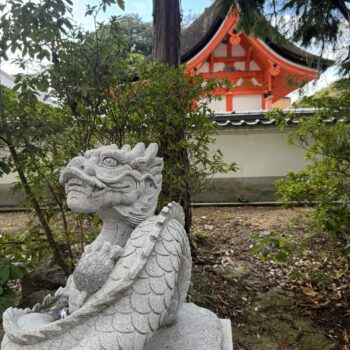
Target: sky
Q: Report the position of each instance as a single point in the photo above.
(144, 9)
(141, 7)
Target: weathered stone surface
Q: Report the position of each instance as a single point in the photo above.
(133, 279)
(227, 334)
(195, 329)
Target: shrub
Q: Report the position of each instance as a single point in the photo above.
(324, 182)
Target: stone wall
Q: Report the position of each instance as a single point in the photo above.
(238, 190)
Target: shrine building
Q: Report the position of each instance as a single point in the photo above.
(262, 73)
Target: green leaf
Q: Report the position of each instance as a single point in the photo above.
(6, 301)
(281, 257)
(4, 167)
(255, 250)
(4, 275)
(121, 4)
(15, 272)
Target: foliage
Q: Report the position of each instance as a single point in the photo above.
(29, 249)
(320, 23)
(334, 90)
(29, 129)
(104, 95)
(91, 73)
(112, 97)
(325, 181)
(270, 245)
(9, 271)
(138, 34)
(35, 28)
(164, 100)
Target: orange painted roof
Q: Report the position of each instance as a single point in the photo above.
(195, 37)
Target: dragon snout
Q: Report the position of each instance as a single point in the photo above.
(82, 164)
(81, 168)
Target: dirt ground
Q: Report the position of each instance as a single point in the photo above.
(303, 304)
(271, 308)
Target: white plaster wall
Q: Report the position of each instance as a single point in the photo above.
(219, 67)
(220, 50)
(218, 105)
(239, 66)
(254, 66)
(237, 50)
(6, 79)
(8, 178)
(247, 102)
(204, 68)
(258, 151)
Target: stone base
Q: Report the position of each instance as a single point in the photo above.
(195, 329)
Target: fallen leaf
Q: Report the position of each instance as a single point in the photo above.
(309, 292)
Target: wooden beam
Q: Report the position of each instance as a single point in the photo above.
(248, 59)
(228, 49)
(229, 103)
(229, 59)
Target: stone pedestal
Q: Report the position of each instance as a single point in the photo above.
(196, 328)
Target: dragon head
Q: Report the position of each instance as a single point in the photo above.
(124, 179)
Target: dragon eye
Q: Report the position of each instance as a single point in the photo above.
(111, 162)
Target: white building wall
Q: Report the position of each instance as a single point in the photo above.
(204, 68)
(217, 105)
(247, 102)
(258, 152)
(219, 67)
(237, 51)
(254, 66)
(261, 154)
(220, 51)
(239, 66)
(6, 79)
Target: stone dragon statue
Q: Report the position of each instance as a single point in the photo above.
(132, 280)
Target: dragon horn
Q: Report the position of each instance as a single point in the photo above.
(137, 151)
(149, 155)
(126, 148)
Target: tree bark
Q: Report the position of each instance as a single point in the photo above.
(166, 31)
(166, 49)
(41, 216)
(49, 235)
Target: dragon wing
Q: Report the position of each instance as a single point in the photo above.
(144, 292)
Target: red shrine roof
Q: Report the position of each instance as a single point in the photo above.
(195, 37)
(261, 71)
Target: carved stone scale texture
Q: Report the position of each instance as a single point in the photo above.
(128, 288)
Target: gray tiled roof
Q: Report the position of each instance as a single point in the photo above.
(258, 118)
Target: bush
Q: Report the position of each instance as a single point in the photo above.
(325, 182)
(9, 271)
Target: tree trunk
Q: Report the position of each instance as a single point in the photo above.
(166, 31)
(41, 216)
(49, 235)
(166, 49)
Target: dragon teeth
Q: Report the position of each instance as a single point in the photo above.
(75, 181)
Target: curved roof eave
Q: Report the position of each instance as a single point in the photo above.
(195, 38)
